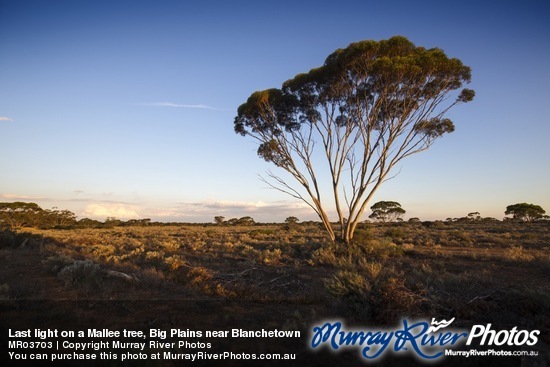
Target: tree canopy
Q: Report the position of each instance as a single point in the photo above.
(19, 214)
(369, 106)
(525, 212)
(386, 211)
(291, 220)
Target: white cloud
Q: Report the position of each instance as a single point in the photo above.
(205, 211)
(178, 105)
(4, 118)
(119, 211)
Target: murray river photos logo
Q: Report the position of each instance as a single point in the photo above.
(427, 341)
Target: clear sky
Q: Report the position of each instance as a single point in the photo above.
(126, 108)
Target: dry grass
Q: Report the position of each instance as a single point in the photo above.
(469, 270)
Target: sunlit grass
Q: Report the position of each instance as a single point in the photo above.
(390, 270)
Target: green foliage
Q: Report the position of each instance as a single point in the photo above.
(365, 249)
(386, 211)
(89, 223)
(111, 222)
(55, 218)
(474, 216)
(232, 221)
(395, 233)
(525, 212)
(18, 215)
(347, 283)
(246, 221)
(291, 220)
(368, 106)
(137, 222)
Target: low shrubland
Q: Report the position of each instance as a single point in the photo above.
(491, 270)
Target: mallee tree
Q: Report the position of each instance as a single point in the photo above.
(525, 212)
(20, 214)
(386, 211)
(352, 120)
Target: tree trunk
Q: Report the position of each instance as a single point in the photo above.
(346, 234)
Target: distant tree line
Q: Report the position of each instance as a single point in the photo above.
(244, 221)
(18, 215)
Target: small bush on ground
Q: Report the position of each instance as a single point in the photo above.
(83, 274)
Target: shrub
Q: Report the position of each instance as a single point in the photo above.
(57, 262)
(271, 257)
(353, 290)
(380, 292)
(391, 298)
(518, 253)
(395, 233)
(175, 262)
(82, 273)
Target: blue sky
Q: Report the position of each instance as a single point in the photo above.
(126, 108)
